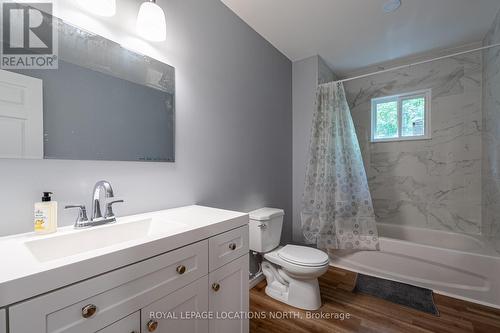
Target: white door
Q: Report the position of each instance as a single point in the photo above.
(178, 311)
(228, 297)
(21, 116)
(130, 324)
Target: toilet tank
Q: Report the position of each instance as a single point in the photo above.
(265, 229)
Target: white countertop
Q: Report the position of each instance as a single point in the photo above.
(23, 275)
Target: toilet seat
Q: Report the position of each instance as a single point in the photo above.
(303, 256)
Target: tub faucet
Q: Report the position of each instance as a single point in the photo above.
(102, 189)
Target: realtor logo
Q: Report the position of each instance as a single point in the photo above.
(29, 38)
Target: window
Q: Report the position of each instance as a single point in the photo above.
(401, 117)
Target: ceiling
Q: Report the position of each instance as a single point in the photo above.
(352, 34)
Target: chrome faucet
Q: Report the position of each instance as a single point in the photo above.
(102, 189)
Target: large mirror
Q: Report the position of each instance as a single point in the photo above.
(103, 102)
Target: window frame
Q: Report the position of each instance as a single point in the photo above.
(426, 93)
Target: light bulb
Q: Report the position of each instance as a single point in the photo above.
(391, 6)
(99, 7)
(151, 23)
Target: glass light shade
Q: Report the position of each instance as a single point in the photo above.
(151, 23)
(99, 7)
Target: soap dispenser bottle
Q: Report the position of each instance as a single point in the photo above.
(45, 215)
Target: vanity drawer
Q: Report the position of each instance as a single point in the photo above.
(227, 247)
(113, 295)
(129, 324)
(174, 308)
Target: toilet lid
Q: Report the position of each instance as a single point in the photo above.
(303, 256)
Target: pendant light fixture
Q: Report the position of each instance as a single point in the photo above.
(105, 8)
(151, 23)
(391, 6)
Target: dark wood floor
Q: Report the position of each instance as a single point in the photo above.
(370, 314)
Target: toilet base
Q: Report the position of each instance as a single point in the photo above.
(299, 293)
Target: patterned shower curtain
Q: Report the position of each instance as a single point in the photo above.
(337, 206)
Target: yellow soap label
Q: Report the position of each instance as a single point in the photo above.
(40, 218)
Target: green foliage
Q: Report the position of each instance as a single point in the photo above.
(413, 113)
(387, 120)
(412, 118)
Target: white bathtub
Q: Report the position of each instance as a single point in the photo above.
(452, 264)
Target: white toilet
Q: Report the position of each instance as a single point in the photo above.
(291, 271)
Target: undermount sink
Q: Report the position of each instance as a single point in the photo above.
(94, 238)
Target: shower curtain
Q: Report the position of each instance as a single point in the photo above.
(337, 207)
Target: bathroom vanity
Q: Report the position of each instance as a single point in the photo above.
(3, 321)
(179, 270)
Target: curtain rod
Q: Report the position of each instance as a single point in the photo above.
(415, 63)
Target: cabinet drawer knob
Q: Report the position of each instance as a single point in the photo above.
(152, 325)
(215, 286)
(181, 269)
(89, 310)
(232, 246)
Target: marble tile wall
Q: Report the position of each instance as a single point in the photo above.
(433, 183)
(491, 135)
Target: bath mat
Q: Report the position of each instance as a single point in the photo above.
(396, 292)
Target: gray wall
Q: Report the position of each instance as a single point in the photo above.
(307, 73)
(491, 135)
(233, 130)
(427, 183)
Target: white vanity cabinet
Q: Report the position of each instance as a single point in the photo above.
(129, 324)
(228, 297)
(3, 321)
(171, 292)
(176, 312)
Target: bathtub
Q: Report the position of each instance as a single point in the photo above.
(453, 264)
